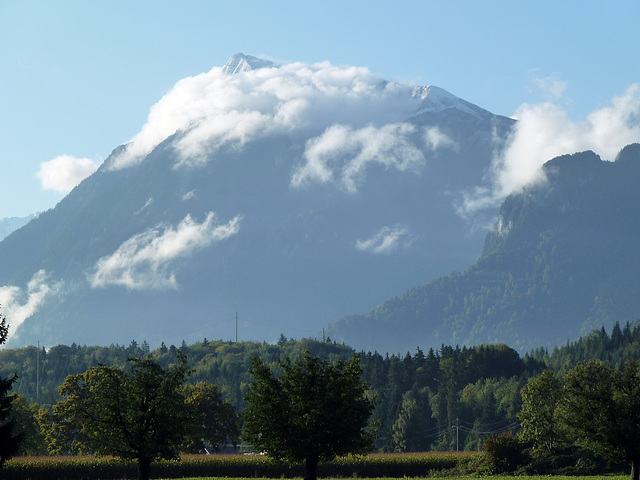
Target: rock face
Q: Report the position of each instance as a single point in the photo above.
(290, 194)
(561, 261)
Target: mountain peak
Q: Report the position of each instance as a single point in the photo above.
(436, 99)
(244, 63)
(629, 155)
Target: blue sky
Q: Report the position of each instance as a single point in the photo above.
(78, 78)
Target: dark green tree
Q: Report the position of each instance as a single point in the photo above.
(540, 398)
(133, 413)
(9, 440)
(601, 406)
(212, 420)
(25, 415)
(311, 411)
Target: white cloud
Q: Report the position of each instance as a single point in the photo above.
(342, 153)
(18, 305)
(189, 195)
(148, 203)
(435, 139)
(551, 87)
(545, 131)
(216, 109)
(143, 261)
(64, 172)
(385, 240)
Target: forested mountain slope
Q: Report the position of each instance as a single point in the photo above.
(562, 259)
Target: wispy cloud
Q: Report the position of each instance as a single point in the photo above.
(385, 240)
(189, 195)
(342, 153)
(64, 172)
(551, 87)
(143, 262)
(216, 109)
(545, 131)
(18, 304)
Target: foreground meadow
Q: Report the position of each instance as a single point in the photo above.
(442, 465)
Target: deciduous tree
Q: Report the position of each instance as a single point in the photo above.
(141, 412)
(212, 420)
(310, 412)
(540, 398)
(601, 405)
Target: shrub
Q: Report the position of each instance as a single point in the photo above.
(504, 452)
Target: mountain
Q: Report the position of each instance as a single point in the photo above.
(562, 260)
(9, 224)
(288, 195)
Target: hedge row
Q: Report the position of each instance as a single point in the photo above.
(108, 468)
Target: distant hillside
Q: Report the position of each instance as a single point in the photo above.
(563, 259)
(617, 348)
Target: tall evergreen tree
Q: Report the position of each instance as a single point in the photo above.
(9, 441)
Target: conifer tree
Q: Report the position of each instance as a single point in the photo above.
(9, 441)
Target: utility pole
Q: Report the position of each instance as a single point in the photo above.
(457, 433)
(236, 327)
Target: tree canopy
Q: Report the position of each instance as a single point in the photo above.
(141, 412)
(595, 407)
(309, 411)
(540, 397)
(601, 406)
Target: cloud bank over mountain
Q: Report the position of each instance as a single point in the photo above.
(217, 109)
(251, 98)
(229, 107)
(342, 154)
(19, 304)
(545, 131)
(142, 262)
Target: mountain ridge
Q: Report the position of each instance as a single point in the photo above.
(559, 262)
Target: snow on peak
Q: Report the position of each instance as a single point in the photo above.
(244, 63)
(435, 99)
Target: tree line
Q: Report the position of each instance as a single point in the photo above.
(452, 398)
(419, 395)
